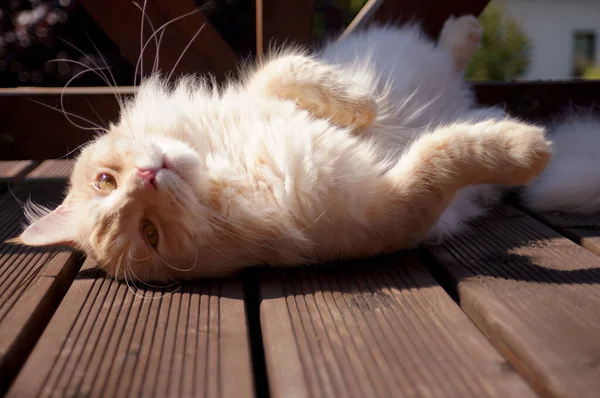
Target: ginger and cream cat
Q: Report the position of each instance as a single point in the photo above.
(371, 146)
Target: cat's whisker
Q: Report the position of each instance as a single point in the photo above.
(142, 47)
(182, 269)
(96, 70)
(134, 289)
(94, 110)
(157, 58)
(100, 74)
(112, 76)
(95, 128)
(119, 265)
(139, 279)
(156, 41)
(21, 204)
(137, 260)
(160, 30)
(150, 284)
(62, 95)
(184, 51)
(99, 70)
(65, 156)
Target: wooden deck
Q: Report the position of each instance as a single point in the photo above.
(510, 309)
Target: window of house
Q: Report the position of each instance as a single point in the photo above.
(584, 52)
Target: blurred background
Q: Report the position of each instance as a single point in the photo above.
(523, 39)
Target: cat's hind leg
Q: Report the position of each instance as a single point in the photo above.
(461, 37)
(317, 87)
(437, 165)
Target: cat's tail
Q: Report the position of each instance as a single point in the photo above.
(571, 182)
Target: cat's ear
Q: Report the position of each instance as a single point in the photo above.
(55, 228)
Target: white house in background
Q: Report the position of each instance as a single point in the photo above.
(560, 31)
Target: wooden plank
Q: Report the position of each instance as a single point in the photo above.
(535, 294)
(208, 53)
(536, 101)
(106, 339)
(539, 100)
(13, 171)
(584, 229)
(380, 327)
(32, 280)
(49, 133)
(362, 19)
(54, 169)
(68, 91)
(283, 21)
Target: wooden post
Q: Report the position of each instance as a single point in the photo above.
(121, 22)
(284, 21)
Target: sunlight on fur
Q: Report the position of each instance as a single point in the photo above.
(372, 145)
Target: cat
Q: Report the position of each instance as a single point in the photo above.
(373, 145)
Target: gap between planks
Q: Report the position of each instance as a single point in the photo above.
(377, 327)
(535, 294)
(104, 340)
(32, 280)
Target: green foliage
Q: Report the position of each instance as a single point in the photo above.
(333, 16)
(591, 73)
(504, 50)
(356, 5)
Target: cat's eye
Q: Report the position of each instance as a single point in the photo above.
(105, 182)
(150, 233)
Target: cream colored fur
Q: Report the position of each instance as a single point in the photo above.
(353, 152)
(571, 182)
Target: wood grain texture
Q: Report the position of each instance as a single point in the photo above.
(32, 280)
(53, 169)
(535, 294)
(379, 328)
(583, 229)
(121, 21)
(15, 168)
(13, 171)
(104, 340)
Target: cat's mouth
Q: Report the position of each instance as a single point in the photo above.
(166, 174)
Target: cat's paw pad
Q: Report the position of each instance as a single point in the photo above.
(465, 31)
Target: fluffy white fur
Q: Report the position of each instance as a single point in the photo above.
(417, 87)
(571, 182)
(350, 153)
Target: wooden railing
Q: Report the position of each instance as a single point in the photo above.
(31, 129)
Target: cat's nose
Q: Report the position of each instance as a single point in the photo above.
(148, 176)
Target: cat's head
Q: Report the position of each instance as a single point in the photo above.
(132, 203)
